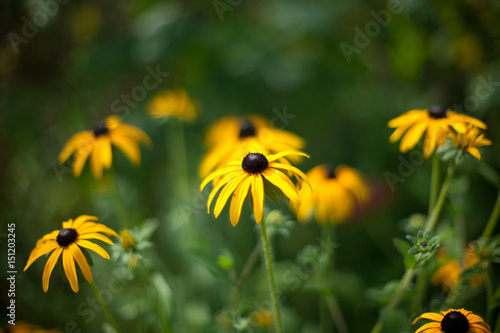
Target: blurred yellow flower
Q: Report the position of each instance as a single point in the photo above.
(436, 121)
(126, 240)
(448, 274)
(262, 318)
(232, 137)
(173, 103)
(253, 174)
(470, 260)
(67, 243)
(97, 144)
(470, 140)
(334, 196)
(453, 321)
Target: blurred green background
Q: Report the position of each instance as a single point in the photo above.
(339, 69)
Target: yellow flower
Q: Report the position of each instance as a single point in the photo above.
(334, 196)
(67, 243)
(173, 104)
(97, 145)
(448, 275)
(126, 240)
(262, 318)
(453, 321)
(436, 121)
(472, 259)
(470, 140)
(251, 175)
(233, 137)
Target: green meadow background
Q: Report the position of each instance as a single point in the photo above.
(332, 72)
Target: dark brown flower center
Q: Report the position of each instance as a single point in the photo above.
(66, 236)
(455, 322)
(254, 163)
(437, 112)
(330, 171)
(100, 129)
(246, 129)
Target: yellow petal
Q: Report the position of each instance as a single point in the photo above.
(226, 193)
(237, 201)
(413, 136)
(398, 132)
(79, 160)
(90, 227)
(94, 247)
(82, 219)
(49, 266)
(474, 152)
(129, 147)
(69, 268)
(479, 329)
(409, 117)
(40, 251)
(292, 169)
(282, 182)
(217, 173)
(82, 262)
(271, 158)
(430, 316)
(97, 236)
(219, 185)
(431, 327)
(258, 196)
(75, 143)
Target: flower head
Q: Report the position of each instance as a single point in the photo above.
(453, 321)
(262, 318)
(232, 137)
(334, 196)
(253, 174)
(436, 121)
(174, 103)
(68, 244)
(470, 140)
(97, 144)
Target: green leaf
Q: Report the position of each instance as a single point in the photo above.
(270, 191)
(402, 246)
(163, 291)
(409, 261)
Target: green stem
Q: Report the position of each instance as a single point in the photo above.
(435, 176)
(249, 265)
(431, 222)
(490, 299)
(176, 142)
(336, 313)
(121, 210)
(420, 291)
(269, 264)
(492, 222)
(110, 317)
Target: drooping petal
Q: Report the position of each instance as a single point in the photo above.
(81, 156)
(413, 135)
(409, 117)
(282, 182)
(217, 173)
(75, 143)
(226, 193)
(293, 169)
(94, 247)
(430, 328)
(274, 157)
(81, 261)
(49, 266)
(219, 185)
(97, 236)
(91, 227)
(40, 251)
(258, 197)
(238, 198)
(129, 147)
(69, 268)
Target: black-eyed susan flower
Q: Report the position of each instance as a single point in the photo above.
(251, 175)
(436, 122)
(97, 144)
(335, 194)
(453, 321)
(232, 137)
(68, 245)
(469, 140)
(173, 103)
